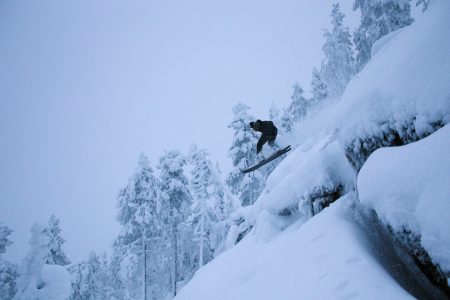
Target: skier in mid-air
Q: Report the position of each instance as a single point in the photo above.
(269, 133)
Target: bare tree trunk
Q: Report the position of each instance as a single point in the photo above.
(202, 231)
(175, 259)
(145, 270)
(144, 273)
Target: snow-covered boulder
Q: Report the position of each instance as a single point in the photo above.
(409, 188)
(39, 280)
(52, 284)
(309, 179)
(403, 93)
(56, 283)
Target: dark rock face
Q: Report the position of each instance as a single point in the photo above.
(323, 197)
(242, 234)
(317, 200)
(391, 134)
(412, 244)
(396, 259)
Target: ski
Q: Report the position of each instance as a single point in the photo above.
(267, 160)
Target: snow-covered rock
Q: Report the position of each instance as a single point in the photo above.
(309, 171)
(403, 93)
(56, 283)
(53, 284)
(409, 188)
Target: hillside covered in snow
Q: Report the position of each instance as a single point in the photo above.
(347, 215)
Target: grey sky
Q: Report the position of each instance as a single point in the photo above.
(85, 86)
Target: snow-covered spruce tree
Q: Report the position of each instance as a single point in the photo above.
(424, 4)
(8, 271)
(114, 271)
(225, 204)
(211, 205)
(56, 255)
(247, 187)
(378, 18)
(138, 216)
(89, 279)
(4, 240)
(286, 121)
(104, 278)
(274, 114)
(30, 279)
(296, 110)
(319, 90)
(338, 66)
(176, 201)
(202, 215)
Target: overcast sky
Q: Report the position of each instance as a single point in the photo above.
(86, 86)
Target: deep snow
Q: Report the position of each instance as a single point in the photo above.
(328, 257)
(52, 283)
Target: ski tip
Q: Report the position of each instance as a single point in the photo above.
(287, 148)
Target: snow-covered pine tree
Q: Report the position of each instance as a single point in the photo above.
(338, 66)
(30, 279)
(114, 271)
(378, 18)
(224, 205)
(247, 187)
(211, 205)
(274, 114)
(318, 88)
(8, 271)
(4, 240)
(202, 215)
(138, 214)
(176, 202)
(104, 278)
(296, 110)
(286, 121)
(89, 279)
(424, 4)
(56, 255)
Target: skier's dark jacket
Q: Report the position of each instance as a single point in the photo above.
(268, 130)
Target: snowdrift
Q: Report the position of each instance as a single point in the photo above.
(53, 283)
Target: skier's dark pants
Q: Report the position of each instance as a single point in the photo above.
(266, 137)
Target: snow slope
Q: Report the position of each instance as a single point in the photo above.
(329, 257)
(409, 187)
